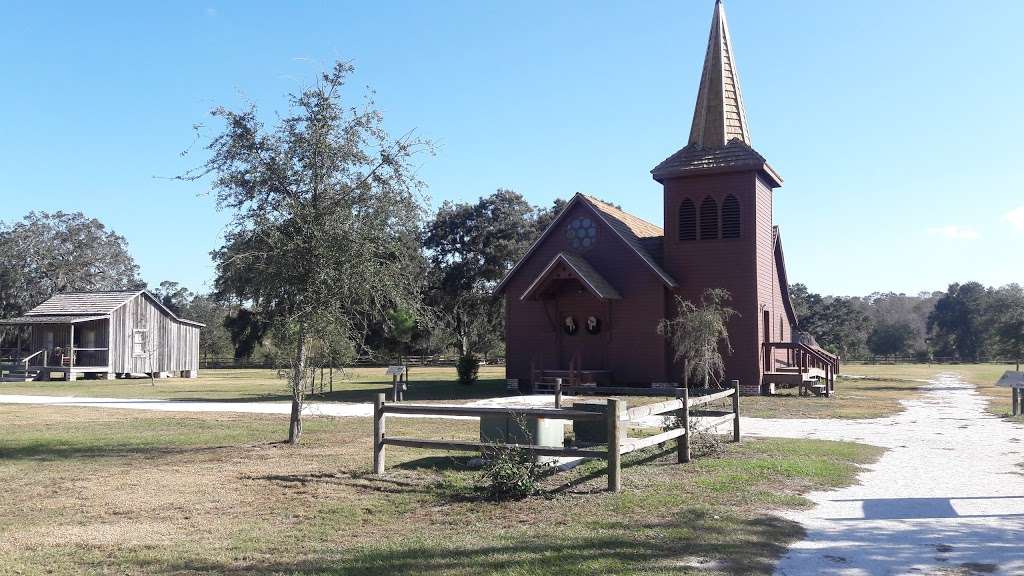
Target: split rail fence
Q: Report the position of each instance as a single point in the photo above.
(618, 417)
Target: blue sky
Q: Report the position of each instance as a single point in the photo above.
(895, 124)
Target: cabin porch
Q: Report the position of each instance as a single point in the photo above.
(36, 348)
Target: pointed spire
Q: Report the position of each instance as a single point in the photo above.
(719, 116)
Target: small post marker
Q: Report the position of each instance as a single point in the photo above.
(378, 434)
(614, 445)
(684, 440)
(558, 392)
(735, 410)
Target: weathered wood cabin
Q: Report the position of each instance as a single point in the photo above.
(100, 334)
(585, 300)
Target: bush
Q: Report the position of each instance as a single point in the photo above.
(468, 368)
(509, 473)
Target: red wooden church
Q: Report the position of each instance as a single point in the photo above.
(589, 293)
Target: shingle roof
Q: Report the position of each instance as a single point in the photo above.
(637, 232)
(48, 319)
(591, 277)
(695, 159)
(78, 304)
(719, 115)
(74, 303)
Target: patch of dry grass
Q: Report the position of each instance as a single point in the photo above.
(103, 491)
(983, 376)
(872, 397)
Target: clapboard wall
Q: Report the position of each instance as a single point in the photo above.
(170, 344)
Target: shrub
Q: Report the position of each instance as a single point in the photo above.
(509, 473)
(468, 368)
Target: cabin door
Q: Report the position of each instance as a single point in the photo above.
(582, 321)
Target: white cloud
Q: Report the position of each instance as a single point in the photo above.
(1016, 217)
(954, 232)
(211, 12)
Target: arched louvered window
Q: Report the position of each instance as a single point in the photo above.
(687, 220)
(709, 219)
(730, 217)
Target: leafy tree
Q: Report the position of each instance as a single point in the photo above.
(838, 324)
(958, 324)
(1007, 313)
(47, 253)
(698, 332)
(471, 247)
(325, 214)
(173, 296)
(214, 338)
(891, 339)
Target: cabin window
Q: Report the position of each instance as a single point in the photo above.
(140, 342)
(687, 221)
(730, 217)
(709, 219)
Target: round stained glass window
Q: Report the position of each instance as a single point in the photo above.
(581, 233)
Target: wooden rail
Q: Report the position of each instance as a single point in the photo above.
(617, 417)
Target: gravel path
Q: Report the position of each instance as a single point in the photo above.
(946, 498)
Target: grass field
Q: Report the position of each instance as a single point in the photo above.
(983, 376)
(250, 385)
(110, 492)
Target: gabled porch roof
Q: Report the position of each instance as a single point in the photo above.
(565, 266)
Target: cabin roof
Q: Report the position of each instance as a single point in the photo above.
(49, 319)
(71, 307)
(780, 264)
(73, 303)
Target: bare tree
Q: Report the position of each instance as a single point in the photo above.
(698, 332)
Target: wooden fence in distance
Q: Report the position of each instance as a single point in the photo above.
(618, 417)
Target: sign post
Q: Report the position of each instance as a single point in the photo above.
(398, 386)
(1015, 381)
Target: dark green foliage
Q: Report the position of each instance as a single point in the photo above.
(468, 368)
(509, 473)
(959, 324)
(471, 247)
(47, 253)
(891, 339)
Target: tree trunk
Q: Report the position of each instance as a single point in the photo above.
(298, 374)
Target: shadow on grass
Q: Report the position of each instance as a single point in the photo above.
(679, 544)
(52, 452)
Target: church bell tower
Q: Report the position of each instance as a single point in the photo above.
(719, 230)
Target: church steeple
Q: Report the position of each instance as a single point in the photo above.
(719, 115)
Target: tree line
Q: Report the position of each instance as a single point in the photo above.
(966, 322)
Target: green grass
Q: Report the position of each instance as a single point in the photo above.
(248, 385)
(89, 491)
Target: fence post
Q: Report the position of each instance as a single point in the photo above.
(558, 392)
(378, 434)
(614, 445)
(683, 442)
(1016, 400)
(735, 410)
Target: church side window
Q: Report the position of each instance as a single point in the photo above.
(709, 219)
(730, 217)
(687, 221)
